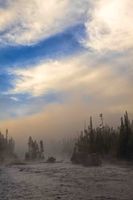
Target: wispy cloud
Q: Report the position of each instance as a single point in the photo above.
(83, 75)
(47, 76)
(27, 22)
(108, 22)
(14, 98)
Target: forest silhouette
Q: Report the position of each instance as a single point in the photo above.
(7, 146)
(103, 141)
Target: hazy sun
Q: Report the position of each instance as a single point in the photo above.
(110, 11)
(110, 27)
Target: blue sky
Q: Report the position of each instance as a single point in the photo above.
(65, 53)
(55, 47)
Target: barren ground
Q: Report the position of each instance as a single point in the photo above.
(66, 181)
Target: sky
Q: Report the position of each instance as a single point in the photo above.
(62, 61)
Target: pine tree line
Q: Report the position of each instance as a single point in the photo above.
(7, 146)
(125, 149)
(105, 140)
(35, 150)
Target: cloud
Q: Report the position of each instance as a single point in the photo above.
(44, 77)
(27, 22)
(14, 98)
(100, 80)
(109, 26)
(108, 22)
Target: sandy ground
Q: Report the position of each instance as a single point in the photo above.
(65, 181)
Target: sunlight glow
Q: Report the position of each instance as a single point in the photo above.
(110, 27)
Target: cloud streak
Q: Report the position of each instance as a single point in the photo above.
(99, 80)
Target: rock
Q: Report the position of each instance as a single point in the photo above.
(51, 160)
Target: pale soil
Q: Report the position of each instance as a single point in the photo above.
(66, 181)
